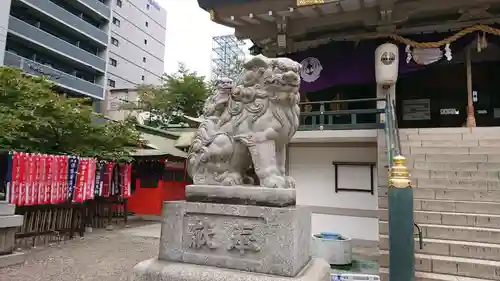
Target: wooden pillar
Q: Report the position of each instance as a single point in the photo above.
(471, 119)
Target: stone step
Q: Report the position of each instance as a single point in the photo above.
(452, 248)
(449, 137)
(448, 232)
(416, 173)
(457, 184)
(451, 218)
(428, 276)
(454, 158)
(466, 133)
(467, 267)
(473, 207)
(451, 194)
(436, 143)
(454, 166)
(407, 150)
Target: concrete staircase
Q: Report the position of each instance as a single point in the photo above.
(455, 173)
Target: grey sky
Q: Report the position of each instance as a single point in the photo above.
(189, 36)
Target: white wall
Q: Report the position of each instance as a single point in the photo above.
(313, 171)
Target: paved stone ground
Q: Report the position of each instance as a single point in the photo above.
(99, 256)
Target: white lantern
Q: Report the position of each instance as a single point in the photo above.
(386, 64)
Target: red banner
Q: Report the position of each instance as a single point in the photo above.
(126, 173)
(54, 180)
(61, 180)
(43, 179)
(24, 179)
(91, 179)
(36, 179)
(14, 186)
(108, 174)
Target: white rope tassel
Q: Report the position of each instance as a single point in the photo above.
(447, 52)
(408, 53)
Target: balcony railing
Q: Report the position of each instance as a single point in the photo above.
(98, 6)
(23, 29)
(63, 79)
(70, 19)
(340, 115)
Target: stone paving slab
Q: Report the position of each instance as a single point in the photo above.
(101, 255)
(151, 230)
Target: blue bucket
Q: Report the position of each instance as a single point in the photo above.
(331, 236)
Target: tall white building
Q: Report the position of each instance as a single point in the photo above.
(85, 46)
(137, 43)
(65, 41)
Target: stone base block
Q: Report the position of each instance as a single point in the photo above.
(7, 209)
(12, 259)
(156, 270)
(7, 240)
(266, 240)
(241, 195)
(11, 221)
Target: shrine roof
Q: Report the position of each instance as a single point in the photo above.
(284, 26)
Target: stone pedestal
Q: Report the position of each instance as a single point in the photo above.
(9, 222)
(213, 241)
(158, 270)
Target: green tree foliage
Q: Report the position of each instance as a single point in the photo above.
(183, 92)
(36, 119)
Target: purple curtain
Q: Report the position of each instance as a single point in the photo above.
(348, 63)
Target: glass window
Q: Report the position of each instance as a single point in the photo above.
(115, 41)
(119, 3)
(111, 83)
(116, 21)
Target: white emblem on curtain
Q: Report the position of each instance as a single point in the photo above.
(311, 69)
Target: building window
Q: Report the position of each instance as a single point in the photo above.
(142, 77)
(114, 41)
(145, 41)
(111, 83)
(147, 6)
(147, 24)
(116, 21)
(119, 3)
(143, 59)
(113, 62)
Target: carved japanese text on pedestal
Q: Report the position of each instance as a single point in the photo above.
(202, 235)
(243, 239)
(224, 236)
(260, 239)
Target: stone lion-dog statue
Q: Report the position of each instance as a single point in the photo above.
(247, 126)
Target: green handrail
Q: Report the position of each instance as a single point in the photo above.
(326, 117)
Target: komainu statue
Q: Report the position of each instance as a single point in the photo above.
(246, 128)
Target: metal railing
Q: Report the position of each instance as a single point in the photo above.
(391, 127)
(340, 115)
(400, 207)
